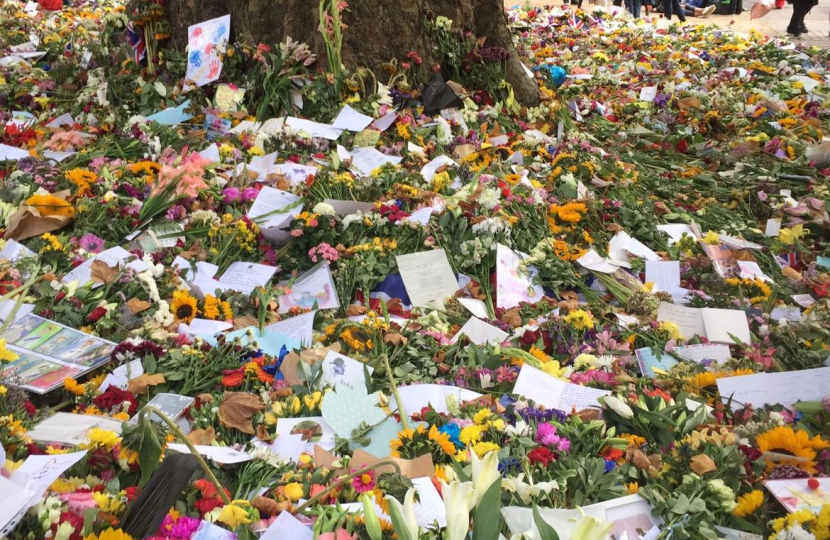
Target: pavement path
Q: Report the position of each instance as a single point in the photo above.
(773, 24)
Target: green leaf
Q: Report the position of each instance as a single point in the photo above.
(681, 506)
(546, 532)
(487, 518)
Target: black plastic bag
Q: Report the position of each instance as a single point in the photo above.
(437, 96)
(145, 514)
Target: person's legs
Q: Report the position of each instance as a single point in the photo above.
(636, 5)
(797, 19)
(679, 10)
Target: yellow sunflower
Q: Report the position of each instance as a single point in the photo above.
(183, 306)
(749, 503)
(789, 442)
(442, 440)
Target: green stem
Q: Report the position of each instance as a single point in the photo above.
(22, 290)
(337, 485)
(401, 411)
(183, 438)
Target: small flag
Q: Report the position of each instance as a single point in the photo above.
(136, 40)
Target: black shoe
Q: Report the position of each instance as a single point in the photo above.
(794, 33)
(804, 29)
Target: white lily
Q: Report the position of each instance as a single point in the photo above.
(519, 430)
(458, 500)
(485, 472)
(591, 528)
(618, 406)
(527, 491)
(405, 514)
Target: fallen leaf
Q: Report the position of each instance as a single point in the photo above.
(237, 408)
(355, 310)
(587, 415)
(395, 339)
(103, 273)
(793, 275)
(702, 464)
(660, 209)
(614, 227)
(202, 436)
(690, 102)
(512, 317)
(244, 322)
(137, 306)
(140, 384)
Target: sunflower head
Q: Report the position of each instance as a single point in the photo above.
(784, 445)
(183, 307)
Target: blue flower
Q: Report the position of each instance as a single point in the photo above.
(453, 432)
(610, 465)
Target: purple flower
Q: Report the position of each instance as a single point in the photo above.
(231, 195)
(91, 243)
(249, 193)
(176, 212)
(546, 434)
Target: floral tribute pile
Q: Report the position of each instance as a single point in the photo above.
(282, 298)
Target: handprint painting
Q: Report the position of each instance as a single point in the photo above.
(206, 43)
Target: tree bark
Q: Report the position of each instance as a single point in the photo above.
(378, 30)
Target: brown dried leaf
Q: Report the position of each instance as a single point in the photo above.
(614, 227)
(103, 273)
(394, 338)
(588, 415)
(690, 102)
(244, 322)
(140, 384)
(196, 252)
(512, 317)
(263, 434)
(702, 464)
(355, 310)
(475, 290)
(793, 275)
(660, 209)
(202, 436)
(137, 306)
(237, 408)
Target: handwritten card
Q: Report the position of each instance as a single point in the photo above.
(703, 353)
(274, 208)
(428, 278)
(794, 493)
(514, 283)
(784, 388)
(299, 327)
(664, 274)
(551, 392)
(417, 396)
(718, 325)
(622, 247)
(315, 287)
(206, 43)
(313, 129)
(245, 276)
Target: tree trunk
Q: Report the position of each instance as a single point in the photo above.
(378, 30)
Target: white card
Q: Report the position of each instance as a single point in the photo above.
(514, 283)
(313, 129)
(299, 327)
(428, 278)
(784, 388)
(351, 120)
(480, 333)
(287, 526)
(245, 276)
(551, 392)
(313, 429)
(222, 455)
(339, 369)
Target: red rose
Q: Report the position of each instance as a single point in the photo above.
(96, 314)
(682, 146)
(113, 397)
(540, 455)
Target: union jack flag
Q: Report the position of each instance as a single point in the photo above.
(574, 23)
(136, 40)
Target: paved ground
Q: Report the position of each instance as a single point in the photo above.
(774, 23)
